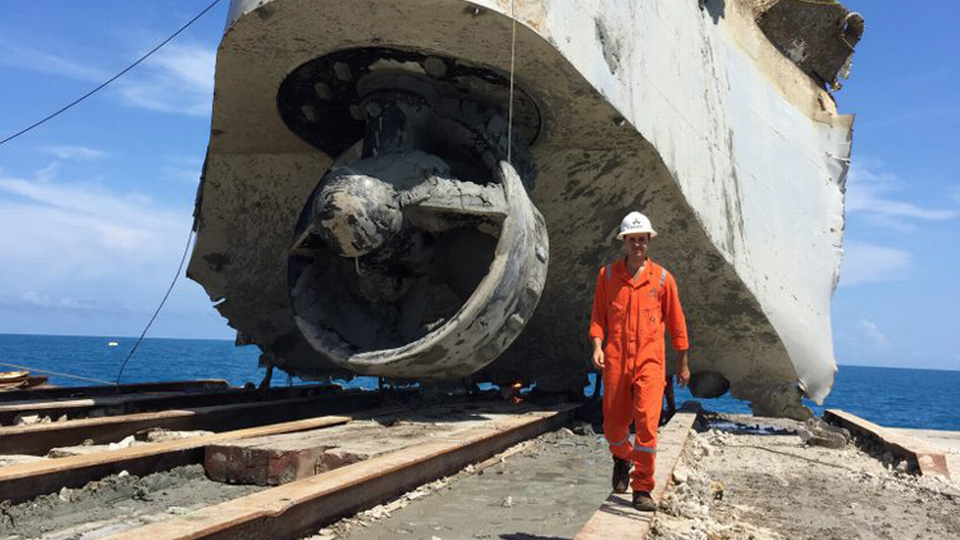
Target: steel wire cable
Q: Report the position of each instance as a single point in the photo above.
(513, 56)
(111, 79)
(183, 259)
(54, 373)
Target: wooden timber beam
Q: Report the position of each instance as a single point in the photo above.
(280, 459)
(25, 481)
(300, 508)
(930, 462)
(616, 517)
(38, 439)
(154, 401)
(55, 392)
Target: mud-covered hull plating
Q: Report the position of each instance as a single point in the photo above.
(682, 110)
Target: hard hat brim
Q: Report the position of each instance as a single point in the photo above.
(653, 233)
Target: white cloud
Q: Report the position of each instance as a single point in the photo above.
(177, 79)
(66, 151)
(870, 331)
(866, 263)
(872, 193)
(16, 56)
(32, 301)
(57, 235)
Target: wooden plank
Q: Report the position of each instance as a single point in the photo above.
(37, 439)
(929, 461)
(25, 481)
(154, 401)
(280, 459)
(300, 508)
(937, 440)
(54, 392)
(616, 517)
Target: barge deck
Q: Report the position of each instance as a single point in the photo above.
(368, 465)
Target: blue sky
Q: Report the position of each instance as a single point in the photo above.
(95, 206)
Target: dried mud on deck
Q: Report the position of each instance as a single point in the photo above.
(544, 492)
(737, 485)
(114, 504)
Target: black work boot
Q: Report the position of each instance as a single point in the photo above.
(644, 502)
(621, 474)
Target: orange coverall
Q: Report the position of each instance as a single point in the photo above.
(630, 314)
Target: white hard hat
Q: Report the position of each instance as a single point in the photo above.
(635, 223)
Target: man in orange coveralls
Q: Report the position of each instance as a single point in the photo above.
(634, 299)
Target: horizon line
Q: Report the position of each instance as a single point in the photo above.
(224, 340)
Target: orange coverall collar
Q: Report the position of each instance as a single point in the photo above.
(619, 270)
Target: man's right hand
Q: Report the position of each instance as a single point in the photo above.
(598, 358)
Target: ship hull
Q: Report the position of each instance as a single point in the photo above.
(687, 114)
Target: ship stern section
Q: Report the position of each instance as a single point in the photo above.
(367, 207)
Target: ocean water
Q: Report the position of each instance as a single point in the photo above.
(913, 398)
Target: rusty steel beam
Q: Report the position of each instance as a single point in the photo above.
(144, 402)
(55, 392)
(40, 438)
(300, 508)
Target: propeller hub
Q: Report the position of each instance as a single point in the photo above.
(355, 213)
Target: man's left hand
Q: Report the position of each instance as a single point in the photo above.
(683, 370)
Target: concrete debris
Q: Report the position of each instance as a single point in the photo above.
(126, 442)
(690, 500)
(819, 425)
(86, 449)
(757, 486)
(161, 435)
(56, 453)
(178, 510)
(816, 432)
(30, 419)
(825, 439)
(581, 428)
(681, 474)
(14, 459)
(145, 437)
(716, 490)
